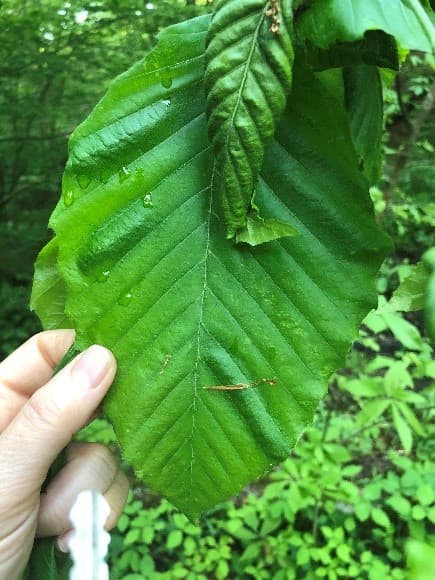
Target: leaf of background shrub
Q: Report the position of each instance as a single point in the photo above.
(402, 428)
(409, 296)
(380, 518)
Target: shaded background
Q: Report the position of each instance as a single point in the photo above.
(56, 60)
(357, 486)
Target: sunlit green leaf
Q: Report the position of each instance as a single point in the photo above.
(429, 301)
(49, 292)
(402, 428)
(410, 295)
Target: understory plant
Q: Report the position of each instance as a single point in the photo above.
(216, 231)
(343, 505)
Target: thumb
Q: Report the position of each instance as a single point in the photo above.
(49, 419)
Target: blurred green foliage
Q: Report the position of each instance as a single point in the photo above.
(357, 486)
(360, 482)
(56, 61)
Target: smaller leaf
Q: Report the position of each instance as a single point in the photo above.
(174, 539)
(248, 76)
(404, 331)
(409, 296)
(49, 292)
(132, 537)
(400, 505)
(362, 511)
(418, 513)
(411, 419)
(397, 378)
(375, 322)
(402, 428)
(381, 518)
(429, 302)
(425, 494)
(371, 411)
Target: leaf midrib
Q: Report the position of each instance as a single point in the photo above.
(245, 76)
(198, 332)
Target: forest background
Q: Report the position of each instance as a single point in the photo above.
(356, 498)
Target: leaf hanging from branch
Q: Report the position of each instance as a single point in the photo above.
(248, 76)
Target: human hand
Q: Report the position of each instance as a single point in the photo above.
(38, 417)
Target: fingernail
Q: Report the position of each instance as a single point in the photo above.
(92, 366)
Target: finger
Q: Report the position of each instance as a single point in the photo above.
(28, 368)
(89, 466)
(33, 363)
(46, 423)
(116, 497)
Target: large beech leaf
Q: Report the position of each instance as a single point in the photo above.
(149, 273)
(247, 78)
(327, 22)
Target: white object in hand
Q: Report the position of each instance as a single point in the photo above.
(89, 541)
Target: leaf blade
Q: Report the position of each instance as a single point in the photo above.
(331, 21)
(247, 79)
(181, 307)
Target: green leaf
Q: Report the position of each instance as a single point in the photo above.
(362, 511)
(400, 505)
(425, 495)
(418, 513)
(411, 419)
(402, 428)
(371, 412)
(363, 94)
(403, 330)
(49, 292)
(184, 309)
(429, 303)
(174, 539)
(409, 296)
(325, 23)
(247, 78)
(376, 49)
(380, 518)
(47, 562)
(397, 378)
(421, 560)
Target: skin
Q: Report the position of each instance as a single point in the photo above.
(39, 414)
